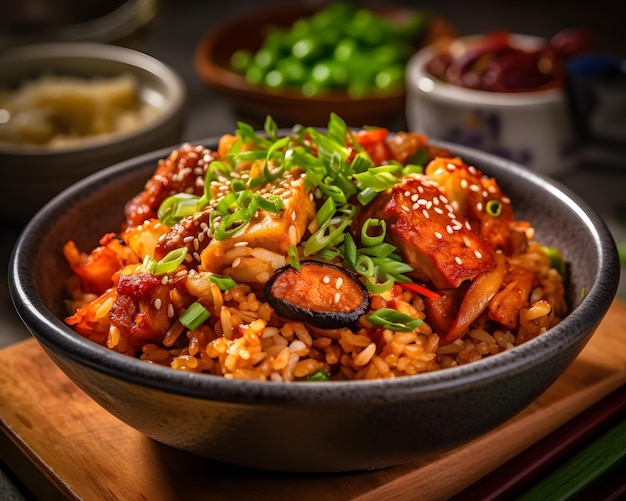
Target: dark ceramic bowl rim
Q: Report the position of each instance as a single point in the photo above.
(172, 81)
(59, 338)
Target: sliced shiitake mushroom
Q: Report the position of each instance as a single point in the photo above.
(321, 294)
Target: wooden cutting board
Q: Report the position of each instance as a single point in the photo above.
(64, 446)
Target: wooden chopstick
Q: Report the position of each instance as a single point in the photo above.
(527, 467)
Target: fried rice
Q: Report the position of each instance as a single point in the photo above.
(458, 313)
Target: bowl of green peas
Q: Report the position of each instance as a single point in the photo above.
(303, 62)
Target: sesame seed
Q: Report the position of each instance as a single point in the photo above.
(416, 206)
(165, 279)
(170, 310)
(477, 254)
(337, 297)
(429, 204)
(196, 256)
(479, 206)
(475, 188)
(414, 197)
(236, 262)
(293, 235)
(293, 215)
(407, 193)
(339, 283)
(443, 199)
(463, 183)
(438, 210)
(326, 279)
(506, 200)
(438, 235)
(458, 260)
(449, 229)
(188, 239)
(196, 244)
(425, 212)
(468, 225)
(157, 304)
(472, 170)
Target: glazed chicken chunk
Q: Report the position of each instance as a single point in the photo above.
(437, 242)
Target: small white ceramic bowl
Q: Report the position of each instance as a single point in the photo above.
(534, 128)
(32, 174)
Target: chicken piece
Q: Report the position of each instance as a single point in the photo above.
(182, 171)
(273, 232)
(479, 199)
(505, 306)
(429, 235)
(135, 312)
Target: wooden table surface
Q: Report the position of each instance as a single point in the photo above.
(64, 446)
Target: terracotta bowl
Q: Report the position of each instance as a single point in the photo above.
(212, 63)
(312, 426)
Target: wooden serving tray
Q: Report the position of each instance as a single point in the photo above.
(64, 446)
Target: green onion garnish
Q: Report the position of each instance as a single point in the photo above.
(170, 262)
(556, 258)
(394, 320)
(222, 281)
(494, 208)
(194, 316)
(149, 263)
(293, 257)
(320, 375)
(379, 226)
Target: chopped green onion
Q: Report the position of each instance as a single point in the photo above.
(194, 316)
(364, 265)
(171, 261)
(349, 251)
(370, 240)
(323, 215)
(293, 257)
(494, 208)
(177, 207)
(379, 287)
(320, 375)
(556, 258)
(270, 127)
(382, 249)
(270, 203)
(393, 320)
(366, 196)
(149, 263)
(222, 281)
(361, 162)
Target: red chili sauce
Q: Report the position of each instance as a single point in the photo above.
(497, 62)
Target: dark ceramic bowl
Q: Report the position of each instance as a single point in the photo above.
(312, 426)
